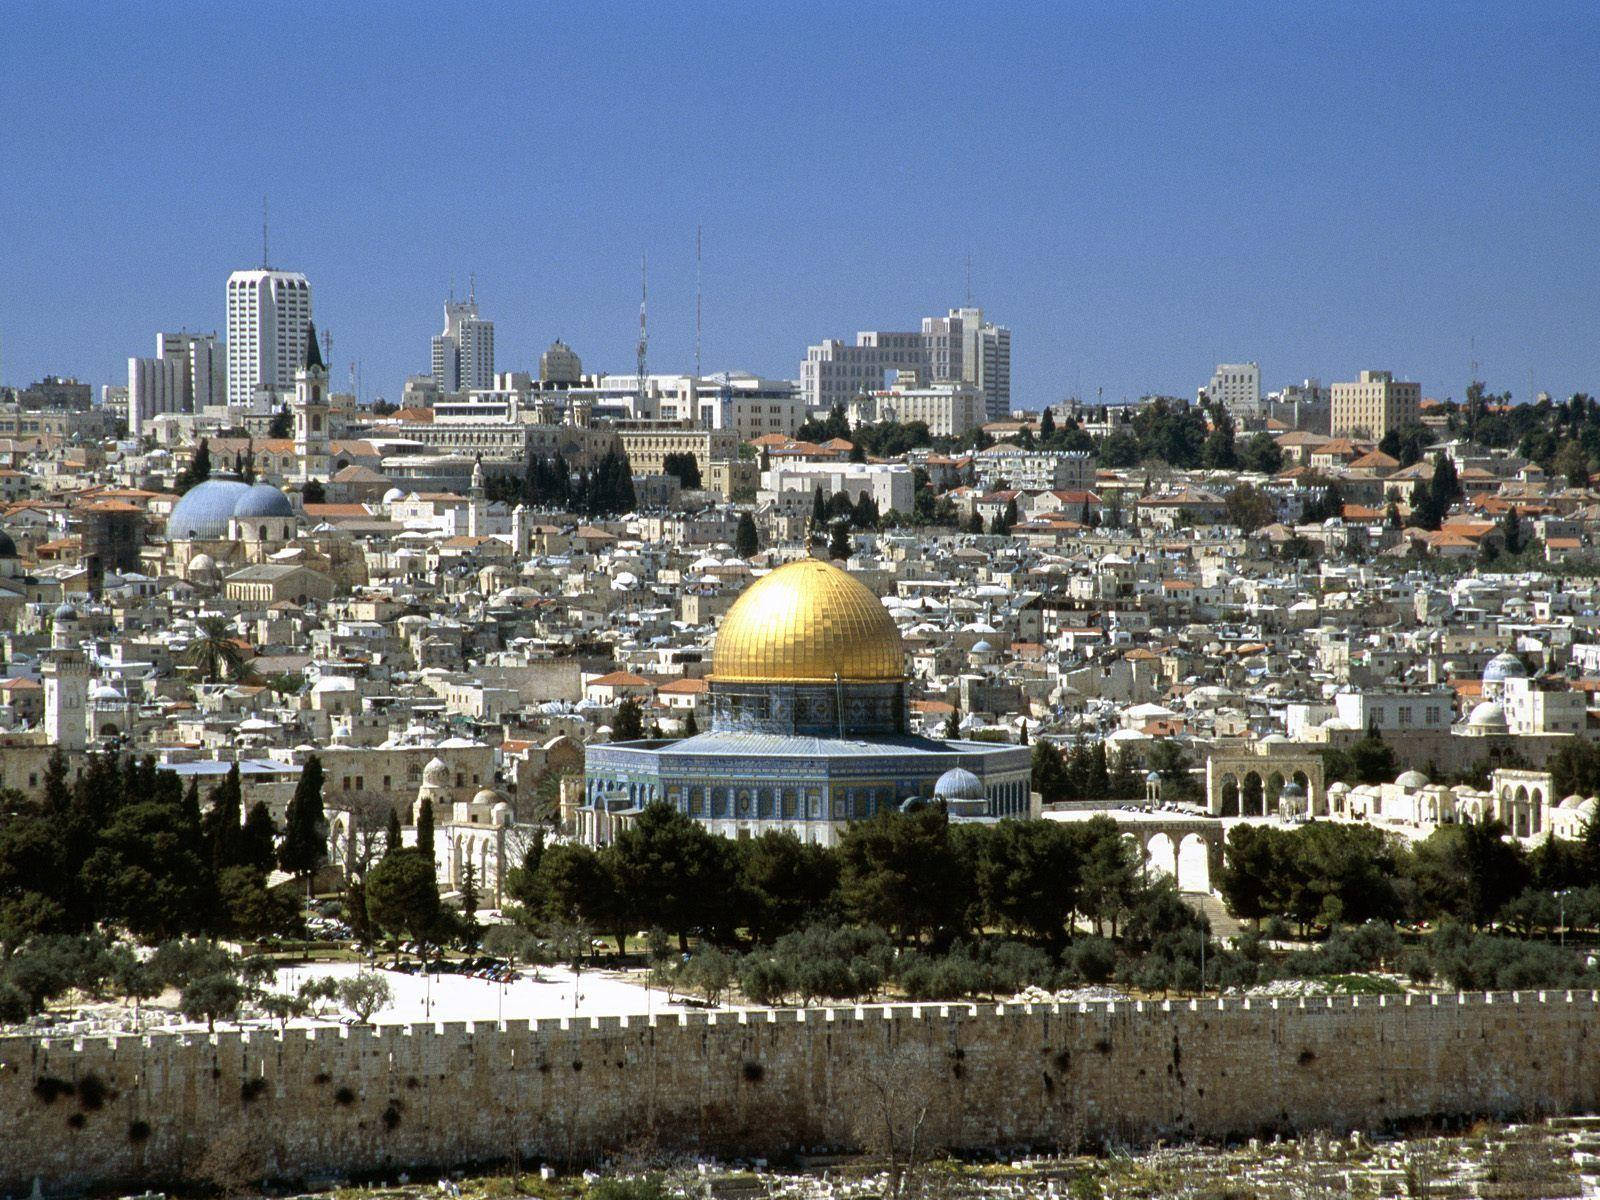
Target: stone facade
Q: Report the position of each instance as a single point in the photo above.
(140, 1111)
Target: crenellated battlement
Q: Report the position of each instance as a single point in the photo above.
(143, 1110)
(479, 1031)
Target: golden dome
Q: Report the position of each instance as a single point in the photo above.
(808, 622)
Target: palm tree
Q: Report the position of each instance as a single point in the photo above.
(215, 652)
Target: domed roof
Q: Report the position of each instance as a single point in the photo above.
(203, 511)
(65, 612)
(487, 796)
(263, 500)
(958, 783)
(436, 773)
(1411, 780)
(1504, 666)
(982, 647)
(392, 495)
(1487, 715)
(808, 622)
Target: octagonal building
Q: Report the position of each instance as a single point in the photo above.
(808, 727)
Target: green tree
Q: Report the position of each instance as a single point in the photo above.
(746, 542)
(253, 911)
(198, 470)
(900, 871)
(1262, 454)
(787, 883)
(1249, 507)
(1047, 425)
(1372, 760)
(628, 724)
(258, 839)
(216, 652)
(212, 998)
(1049, 773)
(1027, 878)
(680, 876)
(402, 896)
(1572, 463)
(305, 833)
(364, 995)
(578, 886)
(839, 546)
(425, 835)
(1511, 535)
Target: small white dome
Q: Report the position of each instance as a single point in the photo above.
(436, 773)
(1412, 780)
(1487, 715)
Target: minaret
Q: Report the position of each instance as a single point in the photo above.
(475, 501)
(66, 684)
(521, 535)
(311, 445)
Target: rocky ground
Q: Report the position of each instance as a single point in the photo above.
(1548, 1160)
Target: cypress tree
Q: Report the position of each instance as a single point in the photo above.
(745, 540)
(839, 545)
(257, 842)
(392, 839)
(425, 828)
(303, 850)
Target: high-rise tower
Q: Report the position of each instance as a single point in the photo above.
(463, 355)
(268, 312)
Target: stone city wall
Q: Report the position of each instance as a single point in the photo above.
(128, 1111)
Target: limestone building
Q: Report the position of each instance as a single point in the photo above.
(1373, 405)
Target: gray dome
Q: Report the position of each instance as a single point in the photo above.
(65, 612)
(1504, 666)
(958, 783)
(263, 500)
(204, 510)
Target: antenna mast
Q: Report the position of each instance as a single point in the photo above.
(697, 305)
(644, 336)
(969, 281)
(266, 263)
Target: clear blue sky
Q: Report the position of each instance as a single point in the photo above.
(1143, 189)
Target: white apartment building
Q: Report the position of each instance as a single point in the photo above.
(958, 347)
(792, 485)
(1535, 706)
(1394, 712)
(1376, 403)
(1036, 470)
(963, 347)
(1237, 387)
(948, 409)
(268, 313)
(463, 355)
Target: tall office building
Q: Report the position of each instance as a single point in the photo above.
(187, 374)
(463, 355)
(1373, 405)
(1237, 387)
(959, 347)
(268, 314)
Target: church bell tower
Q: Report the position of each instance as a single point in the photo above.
(312, 446)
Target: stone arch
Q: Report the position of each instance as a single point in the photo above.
(1272, 790)
(1161, 854)
(1229, 796)
(1253, 795)
(1193, 864)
